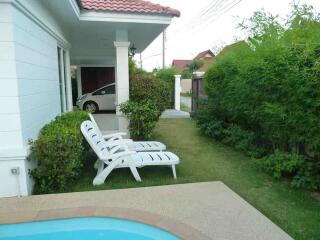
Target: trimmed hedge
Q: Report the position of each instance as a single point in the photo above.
(59, 152)
(263, 96)
(142, 116)
(149, 96)
(146, 87)
(166, 75)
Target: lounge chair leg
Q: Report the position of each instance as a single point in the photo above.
(99, 165)
(174, 171)
(135, 173)
(103, 173)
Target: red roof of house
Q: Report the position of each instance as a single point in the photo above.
(204, 53)
(181, 65)
(128, 6)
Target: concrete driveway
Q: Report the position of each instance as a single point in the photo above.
(186, 101)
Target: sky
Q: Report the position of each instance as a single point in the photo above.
(207, 24)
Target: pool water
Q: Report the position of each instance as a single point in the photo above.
(83, 228)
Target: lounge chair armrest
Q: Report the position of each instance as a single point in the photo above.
(118, 142)
(120, 147)
(121, 154)
(114, 136)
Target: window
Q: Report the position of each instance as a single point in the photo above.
(111, 89)
(106, 90)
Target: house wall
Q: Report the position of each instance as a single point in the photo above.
(29, 92)
(37, 73)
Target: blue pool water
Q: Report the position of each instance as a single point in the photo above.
(83, 229)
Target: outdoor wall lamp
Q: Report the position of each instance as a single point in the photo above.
(132, 51)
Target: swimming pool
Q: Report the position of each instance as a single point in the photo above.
(92, 228)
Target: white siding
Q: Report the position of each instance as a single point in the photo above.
(37, 73)
(29, 88)
(10, 125)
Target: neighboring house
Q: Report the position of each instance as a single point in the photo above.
(182, 65)
(39, 40)
(197, 78)
(208, 59)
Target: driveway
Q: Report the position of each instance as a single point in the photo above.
(186, 101)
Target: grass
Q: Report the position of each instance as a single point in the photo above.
(186, 94)
(184, 108)
(203, 159)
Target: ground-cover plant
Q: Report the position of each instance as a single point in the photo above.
(263, 95)
(281, 164)
(59, 153)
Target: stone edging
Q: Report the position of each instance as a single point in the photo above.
(180, 229)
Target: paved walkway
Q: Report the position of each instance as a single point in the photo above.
(186, 101)
(210, 208)
(171, 113)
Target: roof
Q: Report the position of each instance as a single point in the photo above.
(181, 65)
(204, 53)
(128, 6)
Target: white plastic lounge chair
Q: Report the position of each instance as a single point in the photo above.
(138, 146)
(114, 156)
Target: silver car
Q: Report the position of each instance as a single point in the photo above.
(101, 99)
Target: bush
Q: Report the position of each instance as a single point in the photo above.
(149, 96)
(281, 164)
(264, 94)
(167, 75)
(58, 152)
(308, 176)
(142, 116)
(146, 87)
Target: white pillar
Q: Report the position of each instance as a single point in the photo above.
(68, 82)
(177, 90)
(63, 81)
(122, 73)
(79, 83)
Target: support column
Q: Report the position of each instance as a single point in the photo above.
(122, 73)
(79, 83)
(68, 82)
(177, 90)
(63, 81)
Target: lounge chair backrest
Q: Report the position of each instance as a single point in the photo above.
(95, 124)
(95, 140)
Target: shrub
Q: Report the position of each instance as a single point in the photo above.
(167, 75)
(308, 176)
(58, 152)
(142, 116)
(146, 87)
(264, 94)
(281, 164)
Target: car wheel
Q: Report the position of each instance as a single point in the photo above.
(91, 107)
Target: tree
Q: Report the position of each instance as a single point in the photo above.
(192, 67)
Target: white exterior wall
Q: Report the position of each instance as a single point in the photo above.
(29, 88)
(37, 73)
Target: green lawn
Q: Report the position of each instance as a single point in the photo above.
(184, 108)
(203, 159)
